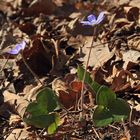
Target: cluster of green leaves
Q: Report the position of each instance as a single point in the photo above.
(42, 112)
(109, 108)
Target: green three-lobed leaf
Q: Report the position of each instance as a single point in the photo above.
(109, 107)
(41, 113)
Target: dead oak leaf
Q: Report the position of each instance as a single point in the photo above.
(68, 93)
(19, 134)
(120, 82)
(42, 6)
(15, 102)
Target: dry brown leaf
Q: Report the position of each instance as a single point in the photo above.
(68, 93)
(19, 134)
(123, 138)
(27, 28)
(41, 6)
(132, 13)
(135, 3)
(121, 2)
(59, 63)
(59, 85)
(137, 107)
(120, 82)
(134, 43)
(14, 119)
(16, 103)
(121, 22)
(99, 55)
(136, 131)
(30, 92)
(37, 58)
(5, 6)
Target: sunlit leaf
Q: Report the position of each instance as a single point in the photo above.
(52, 128)
(105, 96)
(93, 85)
(80, 74)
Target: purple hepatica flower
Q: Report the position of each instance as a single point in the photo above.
(93, 20)
(18, 48)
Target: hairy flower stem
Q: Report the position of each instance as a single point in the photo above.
(31, 71)
(84, 76)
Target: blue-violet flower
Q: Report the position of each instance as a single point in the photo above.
(18, 48)
(93, 20)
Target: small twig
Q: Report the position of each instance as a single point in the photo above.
(126, 131)
(67, 111)
(31, 71)
(114, 127)
(56, 47)
(42, 131)
(130, 117)
(96, 133)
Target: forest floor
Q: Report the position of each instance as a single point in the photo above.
(56, 45)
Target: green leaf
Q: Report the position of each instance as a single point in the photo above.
(41, 113)
(102, 116)
(95, 86)
(120, 109)
(46, 101)
(80, 74)
(44, 121)
(88, 80)
(105, 96)
(52, 128)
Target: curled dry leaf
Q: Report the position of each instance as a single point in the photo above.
(16, 103)
(132, 13)
(134, 43)
(68, 93)
(121, 22)
(14, 119)
(59, 85)
(120, 82)
(27, 28)
(30, 92)
(39, 59)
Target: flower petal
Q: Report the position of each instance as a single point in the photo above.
(100, 18)
(18, 47)
(86, 23)
(23, 45)
(13, 51)
(91, 18)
